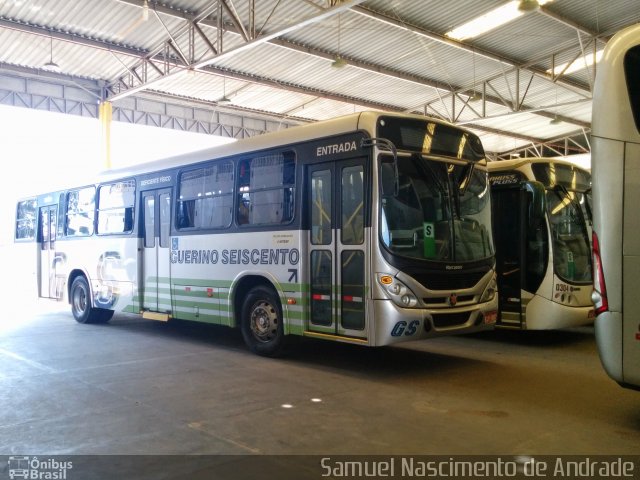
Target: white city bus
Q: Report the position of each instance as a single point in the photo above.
(615, 158)
(370, 229)
(542, 229)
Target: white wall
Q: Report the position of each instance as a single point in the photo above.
(41, 150)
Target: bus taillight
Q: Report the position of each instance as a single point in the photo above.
(599, 294)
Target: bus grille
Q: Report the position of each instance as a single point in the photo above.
(449, 282)
(443, 320)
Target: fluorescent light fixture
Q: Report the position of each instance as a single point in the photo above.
(490, 20)
(578, 64)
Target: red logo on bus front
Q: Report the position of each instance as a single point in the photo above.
(453, 299)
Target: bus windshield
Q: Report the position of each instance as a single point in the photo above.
(435, 210)
(568, 206)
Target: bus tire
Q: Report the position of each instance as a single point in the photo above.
(261, 322)
(83, 312)
(104, 315)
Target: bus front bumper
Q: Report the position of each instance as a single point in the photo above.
(394, 324)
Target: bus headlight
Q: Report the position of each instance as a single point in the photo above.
(397, 291)
(489, 292)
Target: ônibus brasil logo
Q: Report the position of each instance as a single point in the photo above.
(37, 469)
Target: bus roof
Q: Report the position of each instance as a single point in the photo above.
(614, 118)
(365, 120)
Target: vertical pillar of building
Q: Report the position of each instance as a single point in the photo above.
(105, 112)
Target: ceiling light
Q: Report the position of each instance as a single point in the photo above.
(475, 97)
(577, 64)
(339, 62)
(51, 65)
(490, 20)
(224, 100)
(528, 5)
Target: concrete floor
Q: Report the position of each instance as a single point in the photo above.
(138, 387)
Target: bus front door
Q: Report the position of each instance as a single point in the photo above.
(508, 226)
(337, 249)
(155, 261)
(47, 228)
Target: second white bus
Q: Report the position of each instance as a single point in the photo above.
(615, 157)
(542, 228)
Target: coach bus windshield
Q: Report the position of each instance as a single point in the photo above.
(569, 210)
(435, 210)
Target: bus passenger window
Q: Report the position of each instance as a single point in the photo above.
(186, 213)
(266, 190)
(26, 220)
(80, 212)
(115, 207)
(205, 197)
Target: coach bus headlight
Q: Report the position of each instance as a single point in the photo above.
(489, 292)
(398, 291)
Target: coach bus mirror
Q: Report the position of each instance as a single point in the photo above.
(536, 194)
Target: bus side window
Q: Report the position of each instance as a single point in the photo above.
(128, 219)
(115, 207)
(26, 220)
(186, 213)
(80, 211)
(266, 189)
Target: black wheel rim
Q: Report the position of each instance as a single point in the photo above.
(79, 300)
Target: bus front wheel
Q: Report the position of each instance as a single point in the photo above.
(81, 307)
(261, 322)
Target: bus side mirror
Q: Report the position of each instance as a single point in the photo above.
(536, 204)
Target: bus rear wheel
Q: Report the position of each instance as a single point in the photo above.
(83, 312)
(261, 322)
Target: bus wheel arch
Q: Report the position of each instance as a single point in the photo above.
(260, 316)
(81, 301)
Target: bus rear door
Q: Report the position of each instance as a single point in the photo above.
(47, 258)
(337, 249)
(155, 298)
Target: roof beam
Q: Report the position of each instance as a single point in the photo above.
(327, 13)
(145, 56)
(76, 38)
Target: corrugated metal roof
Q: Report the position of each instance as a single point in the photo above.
(395, 50)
